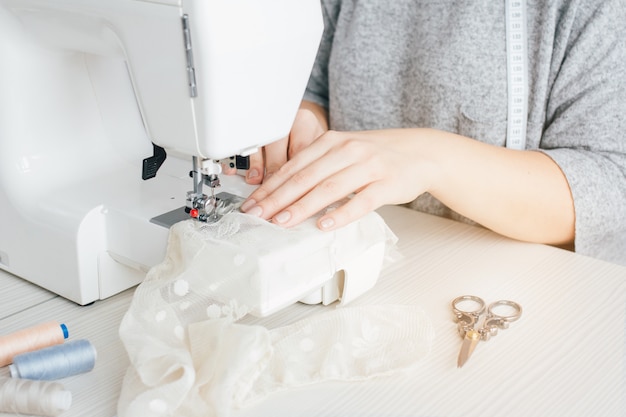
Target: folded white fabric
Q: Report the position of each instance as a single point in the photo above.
(189, 356)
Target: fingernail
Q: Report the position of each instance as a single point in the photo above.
(255, 211)
(282, 217)
(327, 223)
(247, 205)
(253, 173)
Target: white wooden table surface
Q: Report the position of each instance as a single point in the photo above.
(565, 357)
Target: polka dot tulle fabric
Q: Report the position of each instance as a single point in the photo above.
(189, 355)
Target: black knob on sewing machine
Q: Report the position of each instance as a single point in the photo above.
(239, 162)
(242, 162)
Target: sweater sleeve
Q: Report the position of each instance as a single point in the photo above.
(317, 88)
(585, 129)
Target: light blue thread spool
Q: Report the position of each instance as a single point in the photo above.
(55, 362)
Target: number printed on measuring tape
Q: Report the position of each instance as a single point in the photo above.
(517, 73)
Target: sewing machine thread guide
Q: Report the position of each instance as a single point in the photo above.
(191, 70)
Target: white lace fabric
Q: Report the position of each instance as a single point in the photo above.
(189, 356)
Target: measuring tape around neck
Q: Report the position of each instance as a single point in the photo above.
(517, 73)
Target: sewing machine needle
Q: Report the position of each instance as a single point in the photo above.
(471, 339)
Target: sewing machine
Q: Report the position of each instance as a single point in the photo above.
(95, 93)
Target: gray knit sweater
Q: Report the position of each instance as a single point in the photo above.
(442, 64)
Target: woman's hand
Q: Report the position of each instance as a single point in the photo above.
(309, 124)
(520, 194)
(379, 167)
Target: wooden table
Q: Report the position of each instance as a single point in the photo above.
(564, 357)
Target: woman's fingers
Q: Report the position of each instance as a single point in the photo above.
(254, 175)
(275, 156)
(286, 172)
(337, 186)
(363, 202)
(332, 168)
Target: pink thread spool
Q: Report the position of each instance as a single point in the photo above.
(31, 339)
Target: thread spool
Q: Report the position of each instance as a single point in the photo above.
(39, 398)
(55, 362)
(31, 339)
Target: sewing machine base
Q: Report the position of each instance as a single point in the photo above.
(96, 238)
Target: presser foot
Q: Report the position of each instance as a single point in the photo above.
(211, 209)
(226, 203)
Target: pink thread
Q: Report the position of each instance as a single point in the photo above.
(30, 339)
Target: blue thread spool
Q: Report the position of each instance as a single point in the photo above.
(55, 362)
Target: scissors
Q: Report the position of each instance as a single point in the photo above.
(468, 311)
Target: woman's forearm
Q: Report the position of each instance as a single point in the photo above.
(520, 194)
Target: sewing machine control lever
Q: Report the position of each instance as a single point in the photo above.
(152, 164)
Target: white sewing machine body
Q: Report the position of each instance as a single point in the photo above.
(86, 87)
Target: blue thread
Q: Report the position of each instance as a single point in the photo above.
(66, 332)
(55, 362)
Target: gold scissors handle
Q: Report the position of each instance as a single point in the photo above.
(499, 315)
(468, 310)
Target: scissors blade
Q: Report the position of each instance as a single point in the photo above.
(471, 339)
